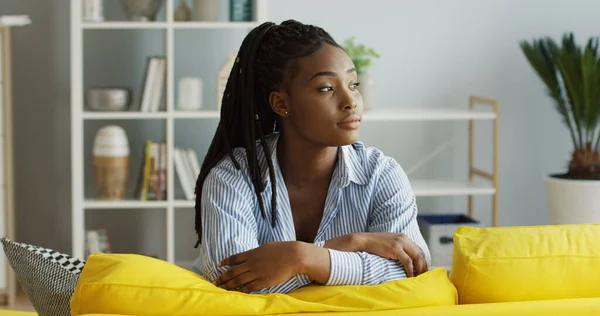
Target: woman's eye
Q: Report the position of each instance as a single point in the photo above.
(326, 89)
(355, 85)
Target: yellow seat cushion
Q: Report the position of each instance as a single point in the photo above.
(508, 264)
(139, 285)
(576, 306)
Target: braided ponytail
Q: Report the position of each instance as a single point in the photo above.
(265, 58)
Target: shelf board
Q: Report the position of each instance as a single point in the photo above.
(166, 25)
(123, 204)
(130, 115)
(184, 204)
(425, 114)
(373, 115)
(124, 25)
(196, 114)
(214, 25)
(436, 187)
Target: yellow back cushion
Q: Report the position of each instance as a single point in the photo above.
(507, 264)
(139, 285)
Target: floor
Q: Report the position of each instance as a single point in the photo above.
(22, 303)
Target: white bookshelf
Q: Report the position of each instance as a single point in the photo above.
(170, 117)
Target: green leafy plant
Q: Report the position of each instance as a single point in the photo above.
(571, 75)
(361, 55)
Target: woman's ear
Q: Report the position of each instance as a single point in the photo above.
(279, 103)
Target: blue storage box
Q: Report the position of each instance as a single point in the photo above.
(438, 231)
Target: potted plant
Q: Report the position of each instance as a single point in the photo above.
(571, 75)
(362, 57)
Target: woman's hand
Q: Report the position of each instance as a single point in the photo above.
(268, 265)
(396, 246)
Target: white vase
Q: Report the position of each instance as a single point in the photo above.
(189, 96)
(368, 90)
(572, 201)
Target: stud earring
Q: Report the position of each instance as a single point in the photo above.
(286, 112)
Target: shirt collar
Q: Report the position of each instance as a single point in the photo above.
(347, 169)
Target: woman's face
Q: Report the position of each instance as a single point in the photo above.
(321, 99)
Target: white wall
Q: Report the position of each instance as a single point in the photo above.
(41, 117)
(438, 52)
(434, 53)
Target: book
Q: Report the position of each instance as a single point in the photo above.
(153, 87)
(183, 173)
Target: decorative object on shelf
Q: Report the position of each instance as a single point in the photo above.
(141, 10)
(111, 162)
(108, 99)
(362, 57)
(154, 84)
(93, 10)
(205, 10)
(240, 10)
(571, 75)
(438, 231)
(189, 96)
(182, 12)
(222, 78)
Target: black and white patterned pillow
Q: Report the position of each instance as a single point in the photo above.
(48, 277)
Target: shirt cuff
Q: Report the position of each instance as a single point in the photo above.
(346, 268)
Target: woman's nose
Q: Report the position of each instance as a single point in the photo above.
(351, 105)
(349, 102)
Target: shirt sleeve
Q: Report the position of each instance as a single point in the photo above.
(394, 210)
(229, 226)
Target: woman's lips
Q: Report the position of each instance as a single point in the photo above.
(350, 122)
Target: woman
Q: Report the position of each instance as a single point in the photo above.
(286, 195)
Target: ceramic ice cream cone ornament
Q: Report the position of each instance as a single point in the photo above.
(111, 162)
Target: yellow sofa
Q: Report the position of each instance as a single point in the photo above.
(534, 270)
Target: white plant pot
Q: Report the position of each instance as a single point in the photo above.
(368, 90)
(572, 201)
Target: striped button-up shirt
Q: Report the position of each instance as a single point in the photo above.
(369, 192)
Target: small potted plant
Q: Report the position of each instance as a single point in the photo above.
(571, 75)
(362, 57)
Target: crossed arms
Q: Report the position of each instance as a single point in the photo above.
(391, 248)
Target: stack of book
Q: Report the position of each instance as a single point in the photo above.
(153, 175)
(152, 184)
(187, 167)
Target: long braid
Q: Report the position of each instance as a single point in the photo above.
(265, 58)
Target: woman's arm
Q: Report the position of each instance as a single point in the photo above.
(229, 228)
(394, 211)
(282, 267)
